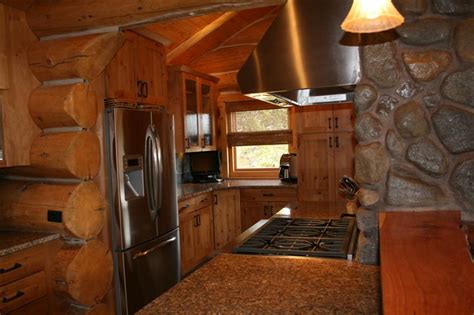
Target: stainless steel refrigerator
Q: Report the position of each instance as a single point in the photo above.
(145, 236)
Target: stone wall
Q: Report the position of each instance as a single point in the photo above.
(415, 116)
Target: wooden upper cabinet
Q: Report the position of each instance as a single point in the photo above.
(325, 118)
(137, 73)
(192, 99)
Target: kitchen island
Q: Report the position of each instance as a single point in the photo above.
(232, 283)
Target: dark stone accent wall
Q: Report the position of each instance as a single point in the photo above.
(415, 117)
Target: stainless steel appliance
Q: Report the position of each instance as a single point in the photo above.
(288, 168)
(305, 42)
(145, 235)
(333, 238)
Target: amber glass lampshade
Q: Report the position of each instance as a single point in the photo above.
(370, 16)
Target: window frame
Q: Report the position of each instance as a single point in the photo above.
(255, 138)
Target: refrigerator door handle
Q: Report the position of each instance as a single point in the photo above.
(159, 172)
(148, 251)
(151, 167)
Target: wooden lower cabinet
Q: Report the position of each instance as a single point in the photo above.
(262, 203)
(227, 224)
(197, 237)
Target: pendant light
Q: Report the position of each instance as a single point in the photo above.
(370, 16)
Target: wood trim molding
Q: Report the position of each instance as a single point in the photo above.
(260, 138)
(50, 17)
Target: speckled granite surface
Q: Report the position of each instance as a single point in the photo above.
(269, 284)
(13, 241)
(189, 190)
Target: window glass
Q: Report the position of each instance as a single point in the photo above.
(259, 156)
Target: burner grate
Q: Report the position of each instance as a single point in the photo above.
(301, 237)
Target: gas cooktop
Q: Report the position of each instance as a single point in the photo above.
(303, 237)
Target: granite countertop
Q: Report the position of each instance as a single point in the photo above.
(232, 283)
(190, 190)
(13, 241)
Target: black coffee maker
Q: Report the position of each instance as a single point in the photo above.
(288, 168)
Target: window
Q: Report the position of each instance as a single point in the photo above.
(258, 135)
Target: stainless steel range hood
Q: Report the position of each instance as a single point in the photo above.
(304, 58)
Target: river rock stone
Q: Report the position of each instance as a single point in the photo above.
(395, 145)
(410, 191)
(410, 6)
(409, 89)
(380, 65)
(366, 219)
(368, 248)
(453, 7)
(428, 157)
(410, 120)
(462, 181)
(364, 96)
(426, 65)
(459, 87)
(423, 32)
(432, 99)
(371, 163)
(367, 127)
(464, 40)
(386, 105)
(455, 129)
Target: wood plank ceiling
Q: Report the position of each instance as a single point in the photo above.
(216, 44)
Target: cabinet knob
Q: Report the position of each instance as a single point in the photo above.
(335, 123)
(139, 88)
(329, 123)
(187, 143)
(145, 88)
(337, 142)
(330, 142)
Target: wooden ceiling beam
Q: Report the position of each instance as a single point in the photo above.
(198, 36)
(53, 17)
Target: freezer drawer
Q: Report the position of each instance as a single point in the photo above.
(147, 271)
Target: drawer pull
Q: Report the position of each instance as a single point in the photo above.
(15, 266)
(16, 296)
(186, 206)
(268, 194)
(203, 200)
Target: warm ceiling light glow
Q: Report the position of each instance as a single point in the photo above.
(370, 16)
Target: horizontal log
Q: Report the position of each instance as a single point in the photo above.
(48, 17)
(260, 138)
(82, 57)
(83, 273)
(72, 210)
(64, 106)
(66, 155)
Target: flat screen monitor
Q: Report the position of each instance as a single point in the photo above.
(205, 163)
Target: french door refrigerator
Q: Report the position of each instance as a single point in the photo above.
(142, 178)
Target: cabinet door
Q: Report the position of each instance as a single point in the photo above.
(316, 167)
(187, 225)
(152, 72)
(226, 210)
(206, 121)
(343, 115)
(344, 156)
(191, 116)
(252, 212)
(316, 118)
(121, 79)
(274, 207)
(204, 233)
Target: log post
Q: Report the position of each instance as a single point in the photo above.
(66, 155)
(64, 106)
(82, 57)
(83, 273)
(72, 210)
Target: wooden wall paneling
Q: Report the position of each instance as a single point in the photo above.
(66, 155)
(73, 210)
(228, 82)
(82, 57)
(64, 106)
(64, 16)
(3, 49)
(19, 128)
(83, 272)
(252, 33)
